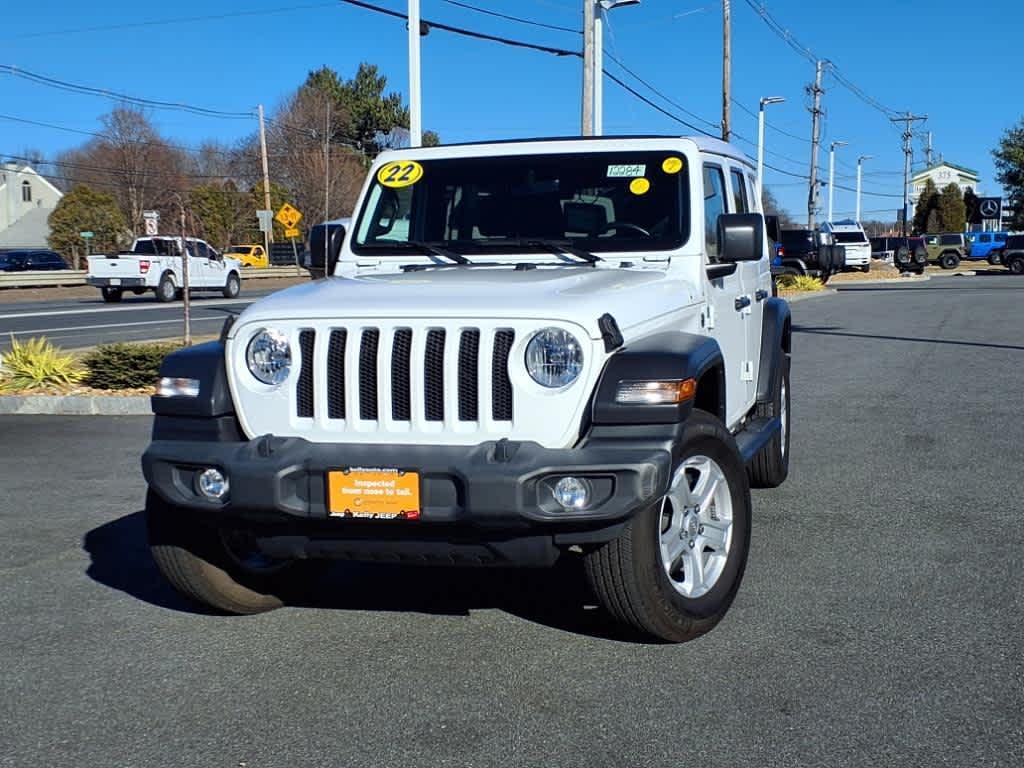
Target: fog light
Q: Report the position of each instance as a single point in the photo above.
(213, 484)
(572, 492)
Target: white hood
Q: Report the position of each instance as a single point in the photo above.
(580, 294)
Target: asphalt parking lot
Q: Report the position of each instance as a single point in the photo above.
(879, 623)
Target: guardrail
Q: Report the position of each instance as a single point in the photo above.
(60, 278)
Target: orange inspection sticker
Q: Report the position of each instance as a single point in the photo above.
(377, 494)
(672, 165)
(639, 186)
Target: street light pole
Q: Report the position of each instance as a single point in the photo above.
(415, 105)
(860, 161)
(832, 173)
(597, 10)
(765, 101)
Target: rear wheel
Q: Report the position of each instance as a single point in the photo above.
(112, 295)
(949, 260)
(233, 286)
(995, 258)
(1016, 265)
(218, 567)
(770, 466)
(165, 290)
(674, 570)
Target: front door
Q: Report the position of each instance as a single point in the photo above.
(728, 316)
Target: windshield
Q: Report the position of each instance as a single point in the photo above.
(849, 237)
(608, 201)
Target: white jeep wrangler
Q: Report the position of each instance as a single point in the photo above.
(525, 351)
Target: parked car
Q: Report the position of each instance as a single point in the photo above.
(32, 260)
(1013, 254)
(851, 236)
(906, 254)
(526, 351)
(946, 250)
(155, 263)
(249, 255)
(808, 252)
(986, 245)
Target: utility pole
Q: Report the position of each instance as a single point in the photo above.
(908, 152)
(816, 91)
(860, 162)
(587, 118)
(726, 69)
(928, 150)
(186, 283)
(415, 105)
(765, 101)
(832, 174)
(268, 236)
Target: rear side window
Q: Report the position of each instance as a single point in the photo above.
(714, 206)
(984, 238)
(1000, 237)
(740, 201)
(949, 240)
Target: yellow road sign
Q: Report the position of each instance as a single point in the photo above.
(289, 216)
(291, 232)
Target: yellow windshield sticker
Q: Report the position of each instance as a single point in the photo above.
(400, 173)
(672, 165)
(639, 186)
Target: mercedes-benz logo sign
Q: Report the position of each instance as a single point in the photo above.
(989, 208)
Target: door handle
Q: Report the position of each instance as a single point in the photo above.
(742, 302)
(761, 294)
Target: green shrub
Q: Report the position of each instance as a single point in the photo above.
(37, 363)
(800, 283)
(126, 366)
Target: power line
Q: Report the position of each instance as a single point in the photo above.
(517, 19)
(65, 85)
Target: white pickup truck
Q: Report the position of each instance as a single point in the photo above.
(155, 263)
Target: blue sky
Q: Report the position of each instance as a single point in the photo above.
(478, 90)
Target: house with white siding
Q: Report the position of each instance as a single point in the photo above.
(26, 201)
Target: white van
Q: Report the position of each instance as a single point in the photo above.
(850, 234)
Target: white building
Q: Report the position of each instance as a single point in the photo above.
(942, 175)
(26, 201)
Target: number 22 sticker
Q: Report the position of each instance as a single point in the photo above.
(400, 173)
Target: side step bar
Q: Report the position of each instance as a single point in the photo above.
(755, 436)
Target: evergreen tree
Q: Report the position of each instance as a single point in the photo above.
(1009, 160)
(926, 203)
(86, 210)
(971, 206)
(952, 212)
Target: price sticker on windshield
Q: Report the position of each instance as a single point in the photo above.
(626, 171)
(400, 173)
(672, 165)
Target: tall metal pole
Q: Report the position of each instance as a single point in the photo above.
(186, 283)
(765, 101)
(726, 69)
(812, 194)
(598, 69)
(415, 106)
(587, 117)
(268, 236)
(908, 152)
(859, 166)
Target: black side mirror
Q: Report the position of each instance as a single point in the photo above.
(325, 241)
(740, 237)
(771, 224)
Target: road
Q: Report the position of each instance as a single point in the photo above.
(78, 323)
(880, 622)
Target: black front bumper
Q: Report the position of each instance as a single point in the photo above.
(481, 495)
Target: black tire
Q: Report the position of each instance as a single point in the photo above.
(1016, 265)
(138, 291)
(901, 258)
(112, 295)
(627, 574)
(165, 290)
(192, 555)
(233, 286)
(824, 277)
(995, 258)
(866, 268)
(949, 260)
(770, 467)
(921, 257)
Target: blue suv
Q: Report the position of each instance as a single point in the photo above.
(986, 245)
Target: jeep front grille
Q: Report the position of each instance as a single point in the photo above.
(422, 366)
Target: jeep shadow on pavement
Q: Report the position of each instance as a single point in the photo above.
(526, 352)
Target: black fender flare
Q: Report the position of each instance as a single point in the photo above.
(776, 336)
(670, 355)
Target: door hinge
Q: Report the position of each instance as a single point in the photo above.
(747, 372)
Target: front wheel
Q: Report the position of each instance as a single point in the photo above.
(165, 290)
(675, 569)
(112, 295)
(1016, 265)
(949, 261)
(995, 258)
(218, 568)
(233, 286)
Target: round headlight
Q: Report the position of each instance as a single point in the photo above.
(554, 358)
(269, 356)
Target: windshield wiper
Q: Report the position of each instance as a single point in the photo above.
(562, 247)
(434, 250)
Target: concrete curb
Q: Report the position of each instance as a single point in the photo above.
(890, 281)
(76, 405)
(810, 295)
